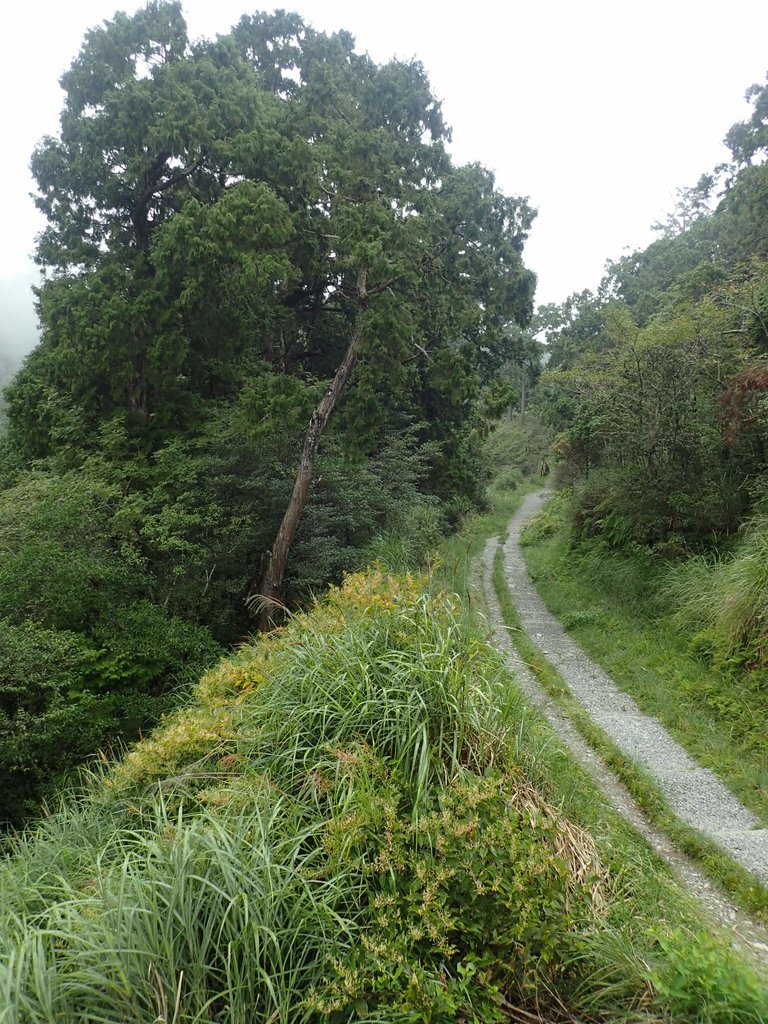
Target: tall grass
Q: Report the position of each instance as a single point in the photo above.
(211, 917)
(360, 843)
(728, 596)
(405, 688)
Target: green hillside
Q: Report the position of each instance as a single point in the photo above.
(355, 819)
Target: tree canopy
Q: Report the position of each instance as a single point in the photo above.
(657, 383)
(265, 279)
(210, 208)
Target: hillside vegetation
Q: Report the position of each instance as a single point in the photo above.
(656, 553)
(275, 319)
(657, 383)
(279, 326)
(343, 825)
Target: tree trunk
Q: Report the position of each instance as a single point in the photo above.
(137, 398)
(522, 395)
(269, 597)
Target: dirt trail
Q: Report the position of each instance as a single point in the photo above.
(695, 794)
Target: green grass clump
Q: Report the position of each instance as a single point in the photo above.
(198, 918)
(348, 826)
(727, 599)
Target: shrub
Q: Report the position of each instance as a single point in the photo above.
(43, 729)
(62, 698)
(474, 906)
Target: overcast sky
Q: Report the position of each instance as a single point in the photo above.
(595, 109)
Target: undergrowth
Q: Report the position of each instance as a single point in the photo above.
(346, 824)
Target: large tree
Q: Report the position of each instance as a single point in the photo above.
(272, 207)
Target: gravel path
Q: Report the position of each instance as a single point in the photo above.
(696, 795)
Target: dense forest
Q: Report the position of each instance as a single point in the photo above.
(273, 316)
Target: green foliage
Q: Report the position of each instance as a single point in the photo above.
(727, 600)
(547, 521)
(644, 431)
(402, 686)
(413, 544)
(572, 327)
(690, 977)
(749, 139)
(518, 445)
(439, 902)
(657, 382)
(204, 213)
(357, 838)
(87, 658)
(377, 701)
(129, 569)
(44, 727)
(211, 917)
(362, 509)
(212, 208)
(61, 565)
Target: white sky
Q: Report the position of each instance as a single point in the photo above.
(598, 109)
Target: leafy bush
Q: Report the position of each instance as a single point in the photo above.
(43, 729)
(61, 563)
(62, 698)
(643, 421)
(86, 660)
(449, 929)
(691, 975)
(508, 480)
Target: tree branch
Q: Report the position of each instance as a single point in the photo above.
(153, 188)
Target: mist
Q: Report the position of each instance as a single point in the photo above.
(18, 321)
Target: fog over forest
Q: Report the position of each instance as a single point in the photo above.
(18, 321)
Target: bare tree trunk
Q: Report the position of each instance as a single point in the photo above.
(270, 589)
